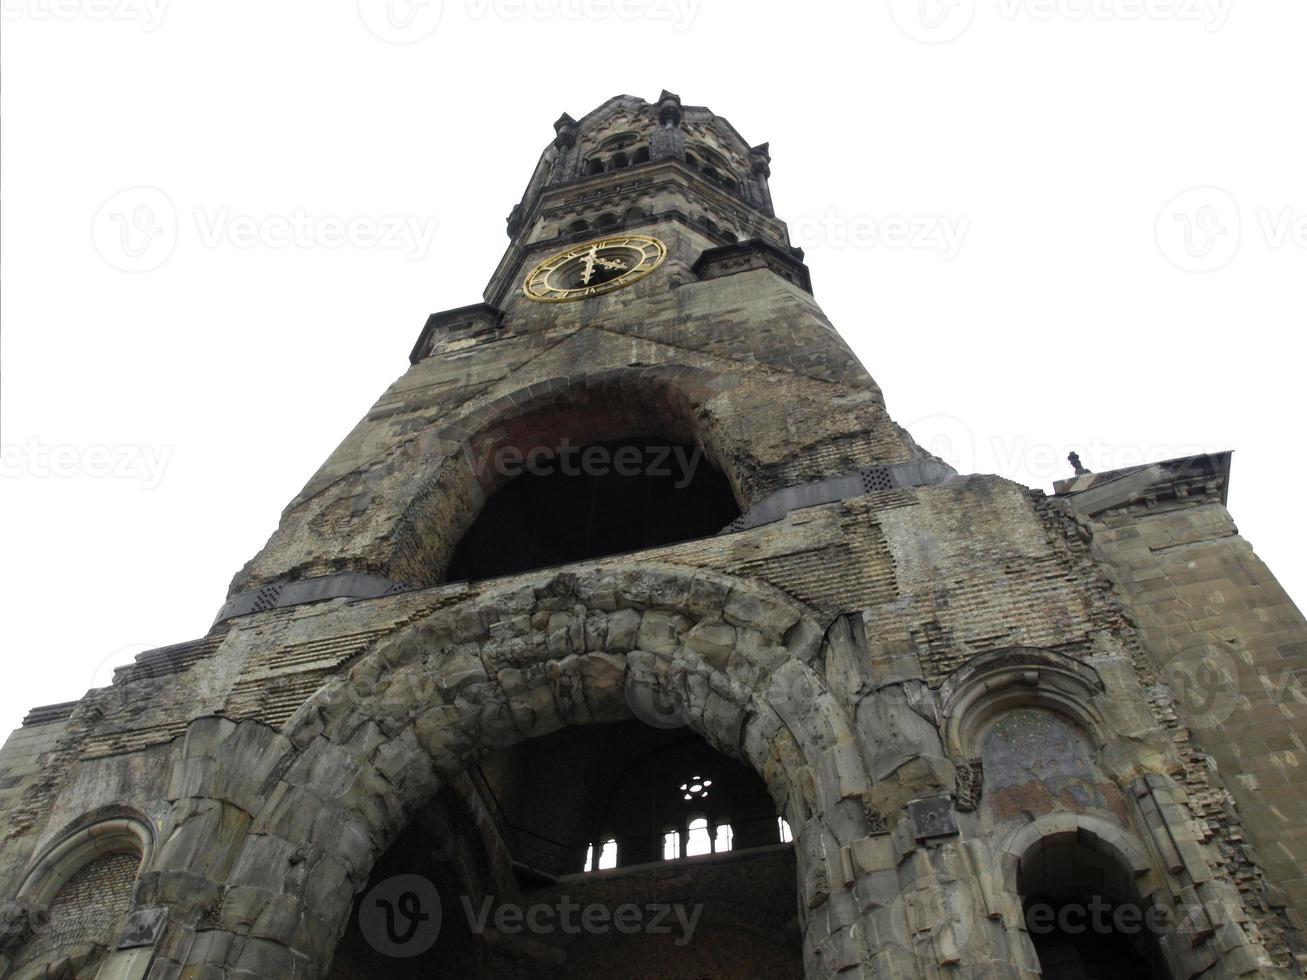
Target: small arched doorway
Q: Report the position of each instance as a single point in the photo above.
(1085, 916)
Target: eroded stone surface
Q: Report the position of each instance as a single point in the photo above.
(975, 651)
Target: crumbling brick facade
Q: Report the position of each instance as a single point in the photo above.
(959, 694)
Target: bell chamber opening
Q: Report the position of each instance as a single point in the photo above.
(575, 503)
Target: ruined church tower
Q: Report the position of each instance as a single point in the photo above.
(628, 635)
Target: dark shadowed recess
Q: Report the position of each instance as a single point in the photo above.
(603, 499)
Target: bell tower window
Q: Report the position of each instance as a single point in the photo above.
(576, 503)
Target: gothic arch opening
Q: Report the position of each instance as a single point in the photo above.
(409, 923)
(584, 502)
(1085, 916)
(568, 793)
(678, 455)
(524, 828)
(374, 746)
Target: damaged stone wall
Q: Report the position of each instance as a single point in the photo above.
(864, 653)
(1225, 660)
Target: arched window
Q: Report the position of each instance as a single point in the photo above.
(783, 829)
(641, 155)
(714, 167)
(578, 226)
(607, 221)
(595, 165)
(698, 840)
(671, 845)
(84, 885)
(618, 161)
(723, 839)
(607, 855)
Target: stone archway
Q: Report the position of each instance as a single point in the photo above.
(733, 659)
(463, 458)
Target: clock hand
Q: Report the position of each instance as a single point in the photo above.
(611, 263)
(589, 265)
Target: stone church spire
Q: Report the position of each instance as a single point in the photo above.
(645, 262)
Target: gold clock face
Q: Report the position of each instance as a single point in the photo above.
(593, 268)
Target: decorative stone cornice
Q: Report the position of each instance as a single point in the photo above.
(466, 321)
(1015, 676)
(295, 592)
(1173, 479)
(727, 260)
(869, 479)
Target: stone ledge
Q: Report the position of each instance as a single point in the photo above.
(727, 260)
(1094, 493)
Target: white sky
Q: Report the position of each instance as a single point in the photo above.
(1039, 149)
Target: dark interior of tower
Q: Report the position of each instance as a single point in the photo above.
(589, 502)
(597, 817)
